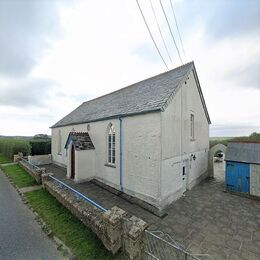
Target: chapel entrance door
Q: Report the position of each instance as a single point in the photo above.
(72, 174)
(185, 175)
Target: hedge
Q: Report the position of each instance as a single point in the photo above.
(40, 146)
(9, 147)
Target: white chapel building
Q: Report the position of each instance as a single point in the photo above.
(149, 140)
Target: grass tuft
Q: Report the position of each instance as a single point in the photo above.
(82, 242)
(19, 176)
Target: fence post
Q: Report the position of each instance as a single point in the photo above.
(134, 229)
(45, 177)
(113, 230)
(16, 158)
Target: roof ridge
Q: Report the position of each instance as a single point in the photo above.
(172, 94)
(138, 82)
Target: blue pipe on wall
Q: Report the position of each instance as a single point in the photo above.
(120, 155)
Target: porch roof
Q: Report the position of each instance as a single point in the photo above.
(81, 141)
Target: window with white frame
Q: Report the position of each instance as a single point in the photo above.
(111, 139)
(192, 132)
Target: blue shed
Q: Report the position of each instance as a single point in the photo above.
(240, 157)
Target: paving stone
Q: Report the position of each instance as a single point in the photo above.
(243, 235)
(227, 231)
(236, 257)
(256, 235)
(234, 244)
(218, 255)
(187, 242)
(196, 237)
(216, 239)
(251, 247)
(195, 249)
(248, 255)
(211, 228)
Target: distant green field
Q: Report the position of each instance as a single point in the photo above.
(224, 140)
(219, 140)
(4, 159)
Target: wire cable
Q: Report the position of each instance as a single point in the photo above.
(171, 31)
(175, 19)
(159, 29)
(140, 9)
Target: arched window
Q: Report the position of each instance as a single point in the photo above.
(111, 144)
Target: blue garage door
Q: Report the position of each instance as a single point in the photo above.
(237, 177)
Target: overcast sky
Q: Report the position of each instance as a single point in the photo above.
(56, 54)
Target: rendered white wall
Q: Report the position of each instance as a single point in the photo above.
(84, 171)
(98, 136)
(255, 179)
(140, 154)
(176, 143)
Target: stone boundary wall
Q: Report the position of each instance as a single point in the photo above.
(117, 230)
(35, 174)
(40, 159)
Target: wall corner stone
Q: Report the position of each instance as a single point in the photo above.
(45, 177)
(113, 230)
(134, 229)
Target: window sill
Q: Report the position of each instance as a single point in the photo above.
(192, 140)
(110, 165)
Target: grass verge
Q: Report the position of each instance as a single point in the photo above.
(19, 176)
(82, 242)
(4, 159)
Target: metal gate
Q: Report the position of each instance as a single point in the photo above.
(161, 246)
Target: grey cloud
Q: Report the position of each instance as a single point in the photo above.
(248, 75)
(233, 130)
(25, 92)
(81, 97)
(26, 30)
(235, 17)
(222, 18)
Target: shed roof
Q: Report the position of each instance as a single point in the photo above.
(247, 152)
(149, 95)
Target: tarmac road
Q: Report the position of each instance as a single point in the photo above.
(21, 237)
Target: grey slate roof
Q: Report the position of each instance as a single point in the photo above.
(243, 152)
(146, 96)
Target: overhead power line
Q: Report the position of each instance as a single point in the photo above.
(140, 9)
(171, 31)
(175, 19)
(159, 29)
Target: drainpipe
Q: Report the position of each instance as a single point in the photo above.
(120, 154)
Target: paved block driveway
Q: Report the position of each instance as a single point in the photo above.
(208, 220)
(205, 220)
